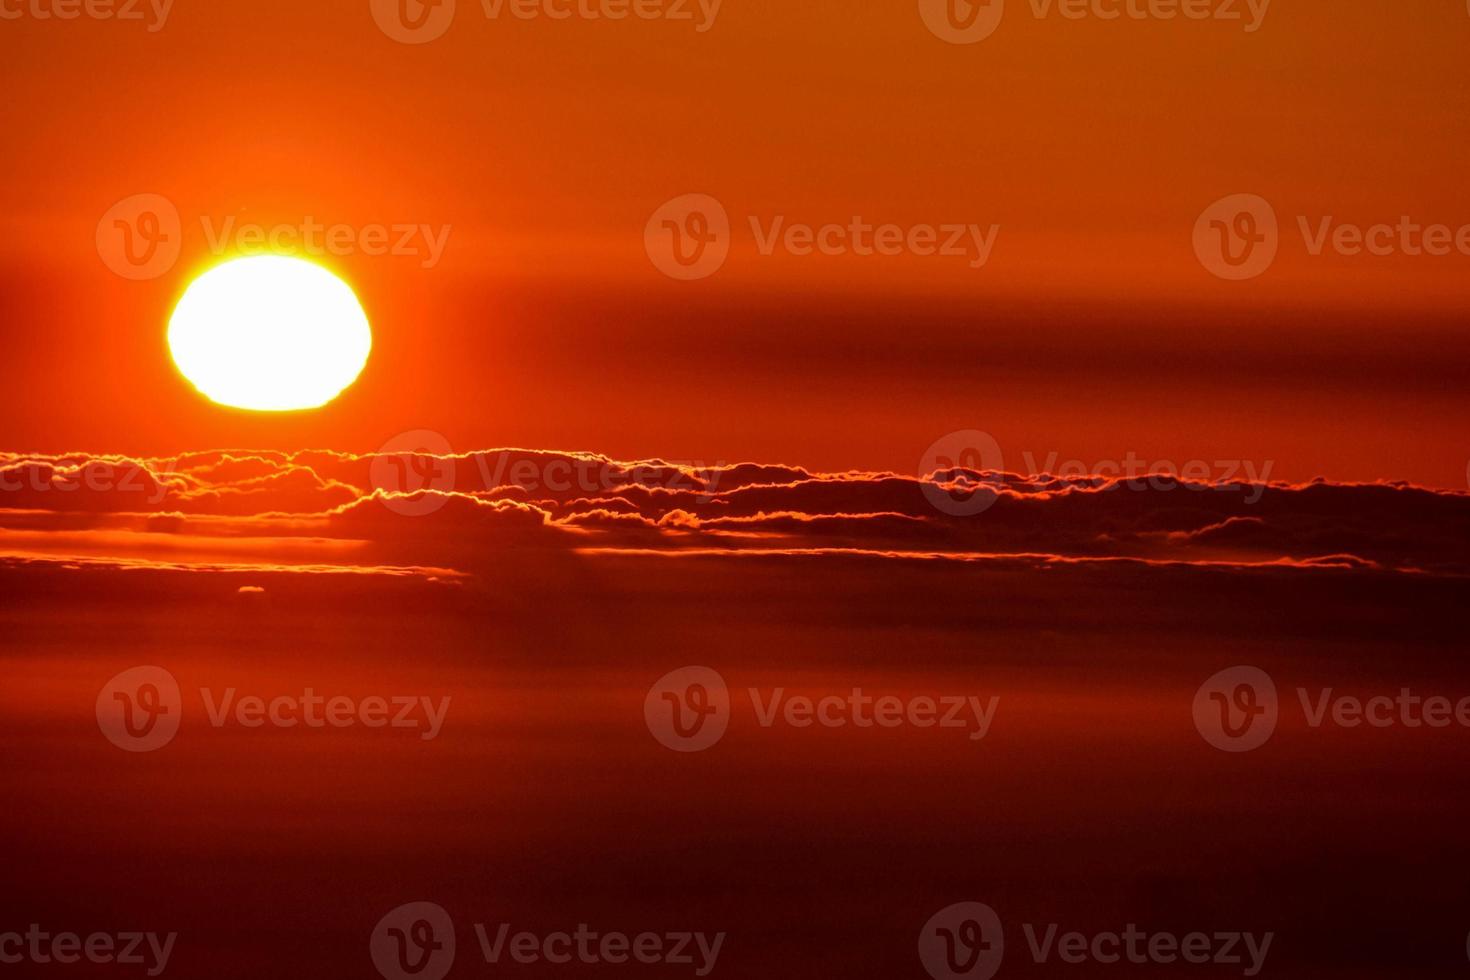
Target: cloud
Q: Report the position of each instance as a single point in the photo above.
(79, 484)
(471, 511)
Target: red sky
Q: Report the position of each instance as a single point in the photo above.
(1093, 331)
(725, 472)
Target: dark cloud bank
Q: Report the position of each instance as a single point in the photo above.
(451, 516)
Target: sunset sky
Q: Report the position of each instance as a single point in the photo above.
(544, 146)
(1097, 367)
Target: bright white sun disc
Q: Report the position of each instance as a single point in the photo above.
(270, 333)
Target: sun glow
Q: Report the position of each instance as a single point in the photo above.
(269, 333)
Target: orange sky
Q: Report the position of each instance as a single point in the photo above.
(1093, 331)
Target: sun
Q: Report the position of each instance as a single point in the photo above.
(269, 333)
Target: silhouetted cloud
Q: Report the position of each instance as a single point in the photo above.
(468, 511)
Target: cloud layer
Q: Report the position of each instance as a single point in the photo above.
(454, 515)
